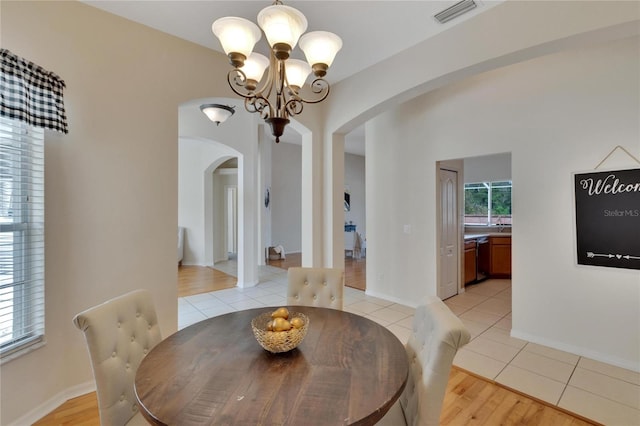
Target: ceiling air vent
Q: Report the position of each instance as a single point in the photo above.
(456, 10)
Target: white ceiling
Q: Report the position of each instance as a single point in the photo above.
(371, 31)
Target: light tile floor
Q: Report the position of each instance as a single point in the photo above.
(598, 391)
(604, 393)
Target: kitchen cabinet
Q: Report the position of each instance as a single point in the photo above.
(469, 261)
(500, 266)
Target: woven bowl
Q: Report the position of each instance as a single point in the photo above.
(278, 341)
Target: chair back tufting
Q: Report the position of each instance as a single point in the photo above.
(119, 333)
(321, 287)
(437, 335)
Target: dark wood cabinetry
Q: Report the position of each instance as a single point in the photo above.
(500, 257)
(469, 261)
(487, 256)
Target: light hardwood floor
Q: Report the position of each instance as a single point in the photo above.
(201, 279)
(355, 273)
(469, 400)
(355, 270)
(291, 260)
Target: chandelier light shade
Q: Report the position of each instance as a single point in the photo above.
(254, 68)
(276, 96)
(282, 25)
(320, 49)
(217, 113)
(296, 73)
(238, 36)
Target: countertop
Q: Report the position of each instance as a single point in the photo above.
(486, 235)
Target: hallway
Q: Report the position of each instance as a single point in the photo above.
(203, 279)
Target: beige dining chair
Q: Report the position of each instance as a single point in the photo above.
(437, 335)
(119, 333)
(321, 287)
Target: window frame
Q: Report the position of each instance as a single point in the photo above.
(491, 219)
(22, 265)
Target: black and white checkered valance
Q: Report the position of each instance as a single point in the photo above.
(30, 93)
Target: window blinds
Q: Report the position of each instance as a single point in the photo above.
(21, 235)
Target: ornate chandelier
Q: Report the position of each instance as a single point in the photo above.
(278, 97)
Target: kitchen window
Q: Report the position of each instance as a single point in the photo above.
(21, 237)
(487, 203)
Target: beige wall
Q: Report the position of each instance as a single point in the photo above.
(111, 183)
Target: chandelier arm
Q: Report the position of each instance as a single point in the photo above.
(265, 91)
(294, 106)
(253, 101)
(320, 87)
(267, 85)
(259, 104)
(236, 77)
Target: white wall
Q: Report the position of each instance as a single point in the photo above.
(487, 168)
(286, 193)
(354, 181)
(236, 137)
(508, 33)
(222, 179)
(557, 114)
(266, 148)
(196, 157)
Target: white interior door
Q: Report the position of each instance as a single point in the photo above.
(448, 285)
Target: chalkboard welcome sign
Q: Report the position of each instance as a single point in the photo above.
(608, 218)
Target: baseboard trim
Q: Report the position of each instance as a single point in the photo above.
(577, 350)
(52, 403)
(411, 304)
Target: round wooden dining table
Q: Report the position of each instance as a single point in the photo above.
(348, 370)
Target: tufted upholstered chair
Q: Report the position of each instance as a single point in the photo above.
(119, 333)
(437, 335)
(322, 287)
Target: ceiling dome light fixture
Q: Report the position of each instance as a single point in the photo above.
(279, 95)
(217, 113)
